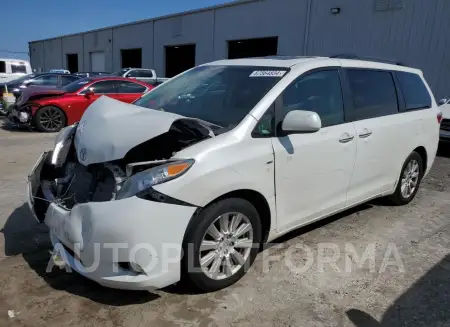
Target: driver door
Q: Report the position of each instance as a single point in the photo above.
(313, 170)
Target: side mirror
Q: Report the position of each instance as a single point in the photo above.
(89, 92)
(299, 121)
(442, 101)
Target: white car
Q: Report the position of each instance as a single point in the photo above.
(194, 176)
(445, 124)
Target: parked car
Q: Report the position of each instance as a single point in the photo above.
(13, 68)
(209, 176)
(445, 124)
(142, 74)
(51, 109)
(59, 71)
(12, 89)
(47, 80)
(91, 74)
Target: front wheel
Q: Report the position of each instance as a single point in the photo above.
(50, 119)
(221, 244)
(409, 180)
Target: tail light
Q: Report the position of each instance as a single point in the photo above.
(439, 117)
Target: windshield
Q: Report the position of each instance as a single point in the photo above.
(75, 86)
(120, 72)
(221, 95)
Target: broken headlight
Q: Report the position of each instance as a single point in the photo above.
(143, 181)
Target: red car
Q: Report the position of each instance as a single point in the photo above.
(50, 109)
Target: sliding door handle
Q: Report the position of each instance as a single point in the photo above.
(365, 135)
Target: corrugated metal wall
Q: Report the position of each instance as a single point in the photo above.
(417, 35)
(416, 32)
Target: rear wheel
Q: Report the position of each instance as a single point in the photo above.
(50, 119)
(221, 244)
(409, 180)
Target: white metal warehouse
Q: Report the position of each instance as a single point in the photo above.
(414, 32)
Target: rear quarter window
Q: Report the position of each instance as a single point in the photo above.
(414, 91)
(2, 67)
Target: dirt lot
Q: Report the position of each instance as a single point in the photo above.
(408, 285)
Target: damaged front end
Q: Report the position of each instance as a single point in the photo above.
(87, 166)
(22, 116)
(21, 112)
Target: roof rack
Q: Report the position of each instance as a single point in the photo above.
(355, 57)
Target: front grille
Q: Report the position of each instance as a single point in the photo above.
(445, 124)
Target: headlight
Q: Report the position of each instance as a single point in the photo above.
(144, 180)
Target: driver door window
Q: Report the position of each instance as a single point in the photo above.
(105, 87)
(45, 80)
(134, 74)
(319, 92)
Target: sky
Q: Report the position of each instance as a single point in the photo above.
(40, 19)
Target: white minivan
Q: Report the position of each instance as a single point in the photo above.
(13, 68)
(197, 174)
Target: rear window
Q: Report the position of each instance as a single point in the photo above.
(18, 68)
(141, 73)
(414, 91)
(66, 80)
(374, 93)
(130, 87)
(75, 86)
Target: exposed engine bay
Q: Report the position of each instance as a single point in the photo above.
(64, 180)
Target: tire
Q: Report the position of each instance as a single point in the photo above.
(198, 231)
(50, 119)
(398, 197)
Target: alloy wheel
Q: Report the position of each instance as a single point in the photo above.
(51, 119)
(410, 179)
(226, 245)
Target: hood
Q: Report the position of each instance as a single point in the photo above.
(35, 92)
(109, 129)
(445, 109)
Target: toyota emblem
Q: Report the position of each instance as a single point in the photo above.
(83, 154)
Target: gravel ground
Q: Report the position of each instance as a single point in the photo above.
(406, 285)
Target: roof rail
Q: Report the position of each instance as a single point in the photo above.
(355, 57)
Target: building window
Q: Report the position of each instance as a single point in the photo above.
(384, 5)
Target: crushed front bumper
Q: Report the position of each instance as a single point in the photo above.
(95, 238)
(19, 116)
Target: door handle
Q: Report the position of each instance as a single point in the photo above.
(365, 135)
(346, 139)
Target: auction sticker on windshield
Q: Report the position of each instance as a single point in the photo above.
(268, 73)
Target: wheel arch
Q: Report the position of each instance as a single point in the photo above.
(257, 200)
(422, 152)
